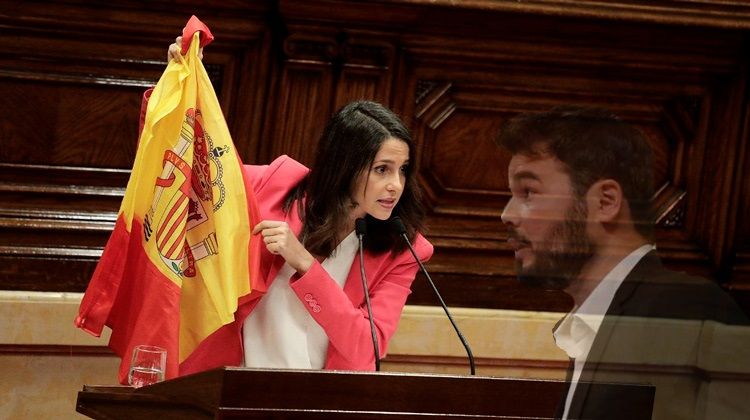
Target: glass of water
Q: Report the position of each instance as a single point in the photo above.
(147, 365)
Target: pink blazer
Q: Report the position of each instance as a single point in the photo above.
(340, 312)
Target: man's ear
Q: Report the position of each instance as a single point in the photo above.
(606, 199)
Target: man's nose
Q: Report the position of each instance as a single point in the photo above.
(510, 213)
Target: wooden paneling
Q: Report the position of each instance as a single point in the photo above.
(56, 123)
(667, 88)
(302, 98)
(455, 72)
(320, 72)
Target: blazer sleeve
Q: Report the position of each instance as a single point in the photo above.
(346, 323)
(275, 179)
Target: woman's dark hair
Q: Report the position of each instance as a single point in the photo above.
(594, 144)
(347, 148)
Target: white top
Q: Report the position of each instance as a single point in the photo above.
(577, 331)
(280, 332)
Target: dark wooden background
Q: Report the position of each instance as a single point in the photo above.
(72, 74)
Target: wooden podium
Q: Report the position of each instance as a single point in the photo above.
(241, 393)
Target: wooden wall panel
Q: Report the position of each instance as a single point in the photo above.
(301, 100)
(305, 95)
(242, 67)
(53, 123)
(321, 72)
(736, 271)
(70, 89)
(465, 173)
(367, 71)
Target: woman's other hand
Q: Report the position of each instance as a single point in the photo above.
(280, 240)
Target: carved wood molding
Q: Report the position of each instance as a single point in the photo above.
(681, 125)
(732, 15)
(700, 13)
(344, 48)
(309, 49)
(741, 270)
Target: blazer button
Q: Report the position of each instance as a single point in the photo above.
(316, 308)
(308, 297)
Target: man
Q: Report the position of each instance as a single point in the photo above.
(579, 220)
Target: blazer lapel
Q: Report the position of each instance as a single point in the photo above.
(560, 410)
(617, 308)
(591, 366)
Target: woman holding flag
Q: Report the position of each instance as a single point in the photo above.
(307, 308)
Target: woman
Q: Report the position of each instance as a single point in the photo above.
(307, 308)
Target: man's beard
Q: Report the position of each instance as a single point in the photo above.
(564, 252)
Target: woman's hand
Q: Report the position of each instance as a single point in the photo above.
(173, 53)
(280, 240)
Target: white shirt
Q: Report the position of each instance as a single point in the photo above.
(280, 332)
(577, 331)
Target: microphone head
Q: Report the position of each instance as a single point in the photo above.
(397, 225)
(360, 226)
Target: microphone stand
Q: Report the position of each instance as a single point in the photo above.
(401, 229)
(360, 226)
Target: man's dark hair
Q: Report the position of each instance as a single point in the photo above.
(593, 144)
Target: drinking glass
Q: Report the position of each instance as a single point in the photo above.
(147, 365)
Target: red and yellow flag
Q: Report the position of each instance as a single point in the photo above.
(177, 262)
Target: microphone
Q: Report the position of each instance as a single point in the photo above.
(400, 229)
(360, 228)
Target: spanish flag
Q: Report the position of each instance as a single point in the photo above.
(178, 260)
